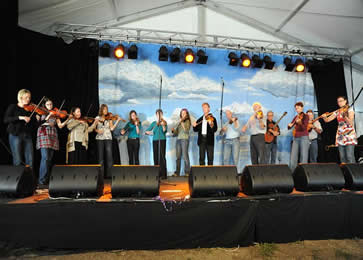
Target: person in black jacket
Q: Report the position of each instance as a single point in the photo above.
(20, 128)
(206, 126)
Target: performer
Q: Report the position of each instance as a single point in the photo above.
(257, 128)
(133, 128)
(20, 127)
(346, 137)
(104, 128)
(314, 129)
(231, 142)
(47, 139)
(206, 126)
(271, 147)
(300, 144)
(182, 142)
(121, 140)
(158, 129)
(77, 143)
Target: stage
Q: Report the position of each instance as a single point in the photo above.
(174, 220)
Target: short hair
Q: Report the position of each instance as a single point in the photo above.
(159, 111)
(256, 103)
(310, 111)
(206, 104)
(300, 104)
(269, 112)
(22, 93)
(343, 97)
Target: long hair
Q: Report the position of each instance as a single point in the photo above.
(100, 111)
(132, 111)
(186, 110)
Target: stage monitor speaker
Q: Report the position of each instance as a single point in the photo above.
(318, 177)
(135, 181)
(353, 174)
(266, 179)
(210, 181)
(76, 181)
(16, 181)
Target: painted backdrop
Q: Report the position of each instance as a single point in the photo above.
(127, 84)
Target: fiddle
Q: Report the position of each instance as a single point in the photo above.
(110, 116)
(162, 122)
(299, 116)
(85, 119)
(259, 114)
(137, 120)
(37, 109)
(232, 120)
(58, 113)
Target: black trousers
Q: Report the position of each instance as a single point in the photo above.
(133, 147)
(257, 149)
(205, 148)
(162, 156)
(79, 155)
(104, 147)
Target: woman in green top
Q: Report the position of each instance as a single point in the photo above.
(133, 127)
(158, 129)
(182, 142)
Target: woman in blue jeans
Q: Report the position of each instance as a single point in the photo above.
(20, 129)
(47, 140)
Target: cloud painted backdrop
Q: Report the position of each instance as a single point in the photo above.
(135, 84)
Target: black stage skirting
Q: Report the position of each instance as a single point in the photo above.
(138, 224)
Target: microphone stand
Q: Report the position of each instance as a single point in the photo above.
(221, 111)
(159, 124)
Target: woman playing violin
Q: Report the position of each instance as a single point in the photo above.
(77, 143)
(20, 128)
(104, 127)
(346, 137)
(47, 139)
(133, 128)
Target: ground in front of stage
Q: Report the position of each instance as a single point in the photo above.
(323, 249)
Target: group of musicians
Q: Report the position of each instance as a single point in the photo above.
(263, 129)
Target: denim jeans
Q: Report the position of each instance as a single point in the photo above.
(104, 148)
(313, 151)
(346, 153)
(45, 164)
(21, 144)
(299, 149)
(231, 146)
(271, 150)
(182, 147)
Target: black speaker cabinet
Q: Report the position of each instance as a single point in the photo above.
(265, 179)
(76, 181)
(353, 174)
(135, 180)
(16, 181)
(318, 177)
(206, 181)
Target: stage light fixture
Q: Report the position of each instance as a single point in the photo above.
(289, 66)
(269, 64)
(119, 51)
(189, 56)
(256, 61)
(132, 52)
(233, 59)
(163, 53)
(105, 50)
(202, 58)
(299, 65)
(175, 55)
(245, 60)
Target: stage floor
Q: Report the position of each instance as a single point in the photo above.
(173, 220)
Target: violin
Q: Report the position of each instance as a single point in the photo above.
(299, 116)
(58, 113)
(232, 120)
(259, 114)
(209, 118)
(113, 117)
(162, 122)
(33, 108)
(137, 120)
(85, 119)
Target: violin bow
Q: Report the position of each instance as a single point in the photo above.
(221, 111)
(36, 107)
(60, 108)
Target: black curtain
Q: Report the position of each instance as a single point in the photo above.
(47, 66)
(329, 83)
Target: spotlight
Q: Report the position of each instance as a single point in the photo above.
(256, 61)
(175, 55)
(163, 53)
(119, 51)
(132, 52)
(299, 65)
(289, 65)
(233, 59)
(189, 56)
(105, 50)
(202, 58)
(246, 61)
(269, 65)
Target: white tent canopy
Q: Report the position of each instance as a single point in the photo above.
(333, 23)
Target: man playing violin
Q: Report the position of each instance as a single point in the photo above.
(271, 148)
(206, 126)
(257, 128)
(314, 129)
(300, 144)
(231, 142)
(20, 128)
